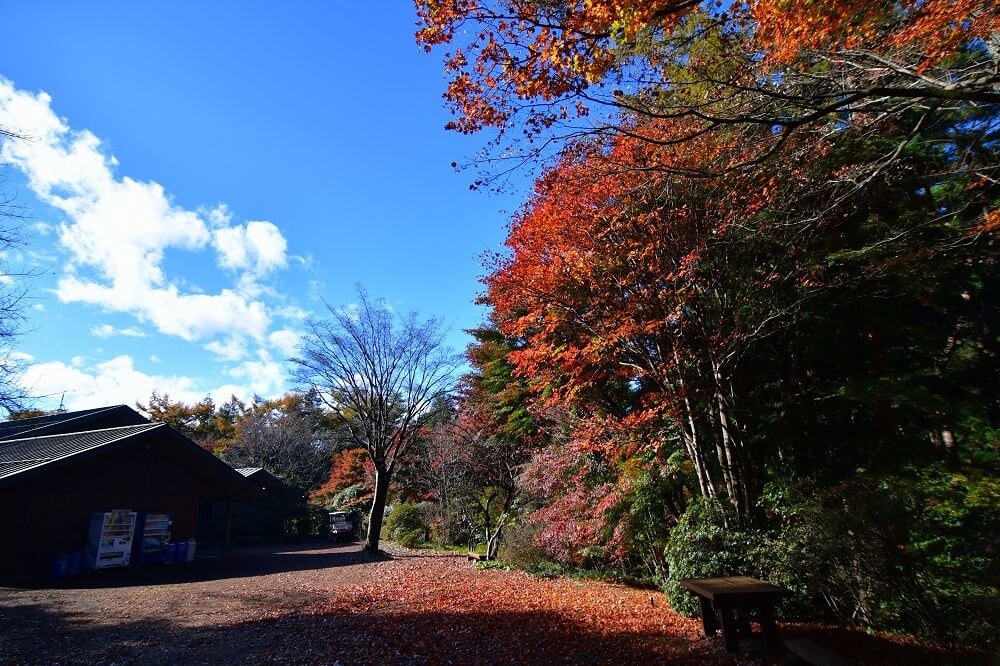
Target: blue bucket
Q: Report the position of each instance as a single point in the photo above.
(60, 565)
(73, 563)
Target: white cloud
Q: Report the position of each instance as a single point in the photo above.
(118, 231)
(233, 348)
(107, 331)
(286, 341)
(263, 378)
(102, 331)
(116, 381)
(188, 316)
(258, 247)
(111, 382)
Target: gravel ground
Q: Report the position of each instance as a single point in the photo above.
(198, 612)
(334, 604)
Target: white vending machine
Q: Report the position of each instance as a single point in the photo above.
(109, 539)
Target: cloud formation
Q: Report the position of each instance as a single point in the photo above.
(119, 242)
(81, 385)
(107, 331)
(118, 231)
(258, 247)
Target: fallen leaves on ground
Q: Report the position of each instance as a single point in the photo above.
(335, 605)
(433, 608)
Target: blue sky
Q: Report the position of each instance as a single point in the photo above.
(200, 175)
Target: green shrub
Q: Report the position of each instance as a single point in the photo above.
(702, 546)
(838, 552)
(352, 498)
(448, 528)
(406, 525)
(894, 553)
(493, 564)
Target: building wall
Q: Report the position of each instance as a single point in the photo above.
(50, 514)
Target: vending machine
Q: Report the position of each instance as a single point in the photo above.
(109, 539)
(152, 534)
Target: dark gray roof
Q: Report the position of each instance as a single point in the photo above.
(21, 459)
(270, 483)
(79, 421)
(18, 456)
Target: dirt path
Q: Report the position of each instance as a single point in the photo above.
(331, 604)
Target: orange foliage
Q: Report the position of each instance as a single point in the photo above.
(533, 56)
(601, 257)
(348, 468)
(936, 28)
(531, 50)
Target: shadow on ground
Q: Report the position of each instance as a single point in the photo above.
(34, 635)
(240, 563)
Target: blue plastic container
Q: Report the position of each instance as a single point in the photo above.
(171, 553)
(73, 563)
(180, 555)
(60, 565)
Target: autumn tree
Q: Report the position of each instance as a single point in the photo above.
(497, 433)
(350, 484)
(732, 338)
(212, 428)
(382, 375)
(603, 276)
(439, 470)
(471, 473)
(557, 70)
(288, 437)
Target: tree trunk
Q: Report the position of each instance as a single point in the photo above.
(377, 514)
(689, 435)
(728, 449)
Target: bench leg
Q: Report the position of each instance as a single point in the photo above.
(708, 621)
(769, 629)
(730, 631)
(743, 623)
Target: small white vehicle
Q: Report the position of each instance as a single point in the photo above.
(341, 527)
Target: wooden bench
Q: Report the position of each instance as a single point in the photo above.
(815, 654)
(726, 603)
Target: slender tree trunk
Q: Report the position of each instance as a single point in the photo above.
(689, 435)
(377, 514)
(494, 534)
(728, 448)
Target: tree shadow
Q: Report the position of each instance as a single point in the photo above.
(883, 648)
(240, 563)
(34, 634)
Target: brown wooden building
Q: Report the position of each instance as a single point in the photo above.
(55, 471)
(273, 519)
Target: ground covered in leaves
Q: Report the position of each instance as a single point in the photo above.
(334, 604)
